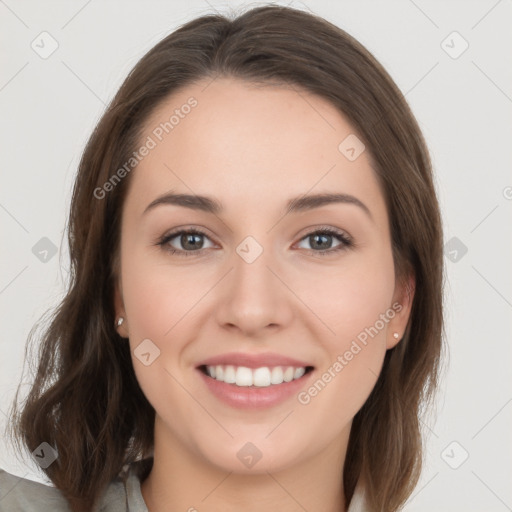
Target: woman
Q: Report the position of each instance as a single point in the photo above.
(254, 318)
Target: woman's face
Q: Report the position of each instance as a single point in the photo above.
(252, 295)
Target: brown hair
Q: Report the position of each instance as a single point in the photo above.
(85, 399)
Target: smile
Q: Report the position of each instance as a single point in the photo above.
(241, 387)
(242, 376)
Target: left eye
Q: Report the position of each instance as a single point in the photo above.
(323, 238)
(191, 243)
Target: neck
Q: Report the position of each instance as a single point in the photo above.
(181, 479)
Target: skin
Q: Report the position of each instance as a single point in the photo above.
(253, 148)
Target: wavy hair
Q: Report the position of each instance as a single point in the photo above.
(85, 399)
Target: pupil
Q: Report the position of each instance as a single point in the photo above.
(326, 244)
(188, 237)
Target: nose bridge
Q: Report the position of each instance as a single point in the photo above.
(255, 296)
(251, 275)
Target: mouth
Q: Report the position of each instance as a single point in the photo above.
(257, 388)
(262, 377)
(250, 380)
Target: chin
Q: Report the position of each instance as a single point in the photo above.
(250, 454)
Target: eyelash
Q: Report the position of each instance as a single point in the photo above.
(346, 242)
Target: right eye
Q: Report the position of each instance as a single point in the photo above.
(190, 239)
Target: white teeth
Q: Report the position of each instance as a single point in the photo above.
(230, 375)
(277, 375)
(243, 376)
(288, 374)
(299, 372)
(259, 377)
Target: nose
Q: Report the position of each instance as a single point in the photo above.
(255, 295)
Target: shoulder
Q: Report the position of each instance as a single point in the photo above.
(19, 494)
(358, 502)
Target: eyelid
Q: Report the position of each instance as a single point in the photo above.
(329, 229)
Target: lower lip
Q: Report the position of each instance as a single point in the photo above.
(254, 397)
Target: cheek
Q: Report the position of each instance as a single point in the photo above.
(354, 306)
(156, 296)
(156, 299)
(161, 302)
(350, 303)
(351, 297)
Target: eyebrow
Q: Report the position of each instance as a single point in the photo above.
(294, 205)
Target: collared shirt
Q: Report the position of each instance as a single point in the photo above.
(122, 495)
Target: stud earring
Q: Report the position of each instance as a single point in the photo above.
(120, 321)
(395, 335)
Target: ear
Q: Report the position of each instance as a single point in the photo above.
(402, 304)
(119, 310)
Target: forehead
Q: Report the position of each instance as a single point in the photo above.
(249, 145)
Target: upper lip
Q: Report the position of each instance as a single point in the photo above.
(253, 360)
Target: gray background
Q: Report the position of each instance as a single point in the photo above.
(463, 104)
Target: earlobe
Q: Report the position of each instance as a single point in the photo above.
(403, 299)
(392, 341)
(120, 323)
(121, 327)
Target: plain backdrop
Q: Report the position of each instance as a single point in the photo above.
(452, 61)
